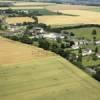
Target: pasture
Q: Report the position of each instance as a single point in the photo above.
(85, 32)
(15, 20)
(41, 76)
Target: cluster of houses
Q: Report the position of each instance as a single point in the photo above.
(37, 32)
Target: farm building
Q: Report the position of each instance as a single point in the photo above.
(98, 55)
(98, 42)
(53, 36)
(36, 31)
(76, 44)
(12, 28)
(87, 52)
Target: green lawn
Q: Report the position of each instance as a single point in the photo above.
(88, 61)
(85, 32)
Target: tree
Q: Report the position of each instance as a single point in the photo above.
(94, 40)
(94, 36)
(26, 39)
(36, 19)
(79, 59)
(94, 57)
(63, 45)
(67, 53)
(59, 40)
(94, 32)
(96, 50)
(43, 43)
(97, 76)
(72, 43)
(54, 47)
(72, 34)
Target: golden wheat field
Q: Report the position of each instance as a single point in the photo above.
(15, 20)
(84, 17)
(13, 52)
(31, 4)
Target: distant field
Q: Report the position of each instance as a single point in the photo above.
(84, 17)
(84, 14)
(29, 73)
(85, 32)
(15, 20)
(39, 7)
(33, 4)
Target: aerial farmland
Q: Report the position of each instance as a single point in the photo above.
(49, 51)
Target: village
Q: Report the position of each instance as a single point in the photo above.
(39, 32)
(64, 43)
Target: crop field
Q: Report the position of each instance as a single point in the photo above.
(15, 20)
(33, 4)
(84, 17)
(22, 8)
(29, 73)
(16, 52)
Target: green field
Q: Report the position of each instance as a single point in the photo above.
(88, 61)
(85, 32)
(43, 78)
(94, 8)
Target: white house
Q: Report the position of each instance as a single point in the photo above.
(12, 28)
(76, 45)
(87, 52)
(36, 31)
(82, 42)
(98, 42)
(53, 36)
(98, 55)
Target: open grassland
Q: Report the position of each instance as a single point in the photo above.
(41, 75)
(15, 20)
(85, 32)
(84, 17)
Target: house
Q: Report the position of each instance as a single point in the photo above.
(98, 42)
(83, 42)
(75, 47)
(98, 55)
(90, 71)
(76, 44)
(53, 36)
(36, 31)
(12, 28)
(87, 52)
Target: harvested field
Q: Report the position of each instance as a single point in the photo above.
(66, 7)
(42, 76)
(32, 4)
(84, 17)
(15, 20)
(12, 52)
